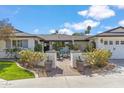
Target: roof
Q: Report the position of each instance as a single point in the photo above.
(63, 37)
(115, 32)
(21, 34)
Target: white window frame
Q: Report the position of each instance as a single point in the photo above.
(18, 43)
(116, 42)
(122, 42)
(106, 42)
(110, 42)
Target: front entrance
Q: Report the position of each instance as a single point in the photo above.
(46, 46)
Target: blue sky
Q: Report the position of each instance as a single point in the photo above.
(67, 19)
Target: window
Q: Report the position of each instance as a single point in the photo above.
(122, 42)
(25, 43)
(105, 42)
(117, 42)
(110, 42)
(17, 43)
(20, 43)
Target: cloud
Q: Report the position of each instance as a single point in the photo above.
(52, 31)
(121, 23)
(83, 13)
(65, 31)
(99, 32)
(106, 27)
(120, 6)
(82, 25)
(62, 31)
(98, 12)
(36, 31)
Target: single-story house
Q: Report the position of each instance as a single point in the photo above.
(28, 41)
(112, 40)
(21, 39)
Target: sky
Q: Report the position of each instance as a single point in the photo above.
(66, 19)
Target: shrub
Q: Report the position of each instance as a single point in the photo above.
(98, 57)
(31, 57)
(38, 47)
(13, 52)
(58, 45)
(76, 47)
(89, 48)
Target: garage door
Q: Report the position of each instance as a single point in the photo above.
(117, 52)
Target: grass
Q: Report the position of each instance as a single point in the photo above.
(10, 71)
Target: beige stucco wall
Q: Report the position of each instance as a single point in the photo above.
(2, 45)
(31, 45)
(117, 50)
(31, 42)
(82, 44)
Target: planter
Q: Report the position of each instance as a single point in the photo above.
(48, 66)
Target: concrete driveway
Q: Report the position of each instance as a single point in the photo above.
(119, 62)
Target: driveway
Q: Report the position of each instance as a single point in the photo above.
(118, 62)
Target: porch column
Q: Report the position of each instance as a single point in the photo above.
(42, 43)
(50, 46)
(73, 42)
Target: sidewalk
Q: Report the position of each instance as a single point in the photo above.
(109, 81)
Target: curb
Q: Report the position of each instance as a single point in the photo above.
(35, 74)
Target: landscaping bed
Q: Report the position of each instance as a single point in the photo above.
(10, 71)
(95, 62)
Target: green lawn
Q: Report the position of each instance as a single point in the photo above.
(10, 71)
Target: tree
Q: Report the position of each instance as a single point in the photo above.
(57, 32)
(6, 30)
(87, 31)
(78, 34)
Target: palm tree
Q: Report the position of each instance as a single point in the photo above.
(87, 31)
(6, 30)
(56, 32)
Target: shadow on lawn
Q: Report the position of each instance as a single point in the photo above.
(4, 66)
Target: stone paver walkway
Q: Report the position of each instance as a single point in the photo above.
(67, 70)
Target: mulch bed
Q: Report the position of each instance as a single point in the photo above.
(98, 70)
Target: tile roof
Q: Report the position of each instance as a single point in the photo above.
(19, 33)
(118, 31)
(62, 37)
